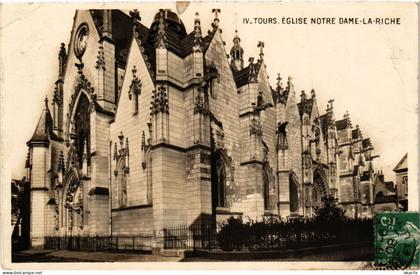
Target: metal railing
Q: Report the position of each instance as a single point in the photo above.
(100, 243)
(201, 236)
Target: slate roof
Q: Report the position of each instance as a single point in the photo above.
(44, 129)
(178, 41)
(342, 124)
(241, 77)
(365, 176)
(366, 143)
(306, 106)
(385, 199)
(355, 134)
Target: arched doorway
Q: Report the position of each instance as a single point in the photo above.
(72, 212)
(72, 205)
(319, 189)
(293, 194)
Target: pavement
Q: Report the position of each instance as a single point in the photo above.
(353, 252)
(80, 256)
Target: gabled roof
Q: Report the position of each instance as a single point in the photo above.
(44, 129)
(402, 164)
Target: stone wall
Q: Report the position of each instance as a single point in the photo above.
(133, 222)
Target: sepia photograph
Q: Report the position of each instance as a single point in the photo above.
(280, 132)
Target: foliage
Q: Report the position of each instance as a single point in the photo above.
(330, 210)
(274, 233)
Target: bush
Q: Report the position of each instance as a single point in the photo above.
(330, 210)
(275, 233)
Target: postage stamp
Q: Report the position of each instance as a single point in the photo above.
(397, 240)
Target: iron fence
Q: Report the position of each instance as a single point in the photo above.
(100, 243)
(200, 236)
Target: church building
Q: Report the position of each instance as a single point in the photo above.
(150, 127)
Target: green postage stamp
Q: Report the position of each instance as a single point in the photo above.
(397, 240)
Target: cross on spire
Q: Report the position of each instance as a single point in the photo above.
(135, 14)
(46, 101)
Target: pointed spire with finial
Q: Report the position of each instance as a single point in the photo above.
(197, 34)
(46, 102)
(161, 35)
(261, 46)
(346, 116)
(252, 75)
(330, 106)
(289, 83)
(279, 87)
(62, 59)
(302, 96)
(216, 20)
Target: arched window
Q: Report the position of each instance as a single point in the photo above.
(121, 180)
(221, 183)
(81, 131)
(149, 181)
(221, 178)
(293, 194)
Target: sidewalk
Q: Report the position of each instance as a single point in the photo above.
(79, 256)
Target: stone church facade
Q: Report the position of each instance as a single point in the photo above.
(152, 127)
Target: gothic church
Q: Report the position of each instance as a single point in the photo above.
(153, 126)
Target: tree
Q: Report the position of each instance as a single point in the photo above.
(330, 210)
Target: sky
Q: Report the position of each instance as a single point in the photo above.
(370, 70)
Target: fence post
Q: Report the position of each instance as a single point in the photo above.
(208, 236)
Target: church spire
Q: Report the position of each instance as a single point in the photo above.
(237, 53)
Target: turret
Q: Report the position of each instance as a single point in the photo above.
(237, 53)
(39, 165)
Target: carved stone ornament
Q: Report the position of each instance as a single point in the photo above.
(81, 40)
